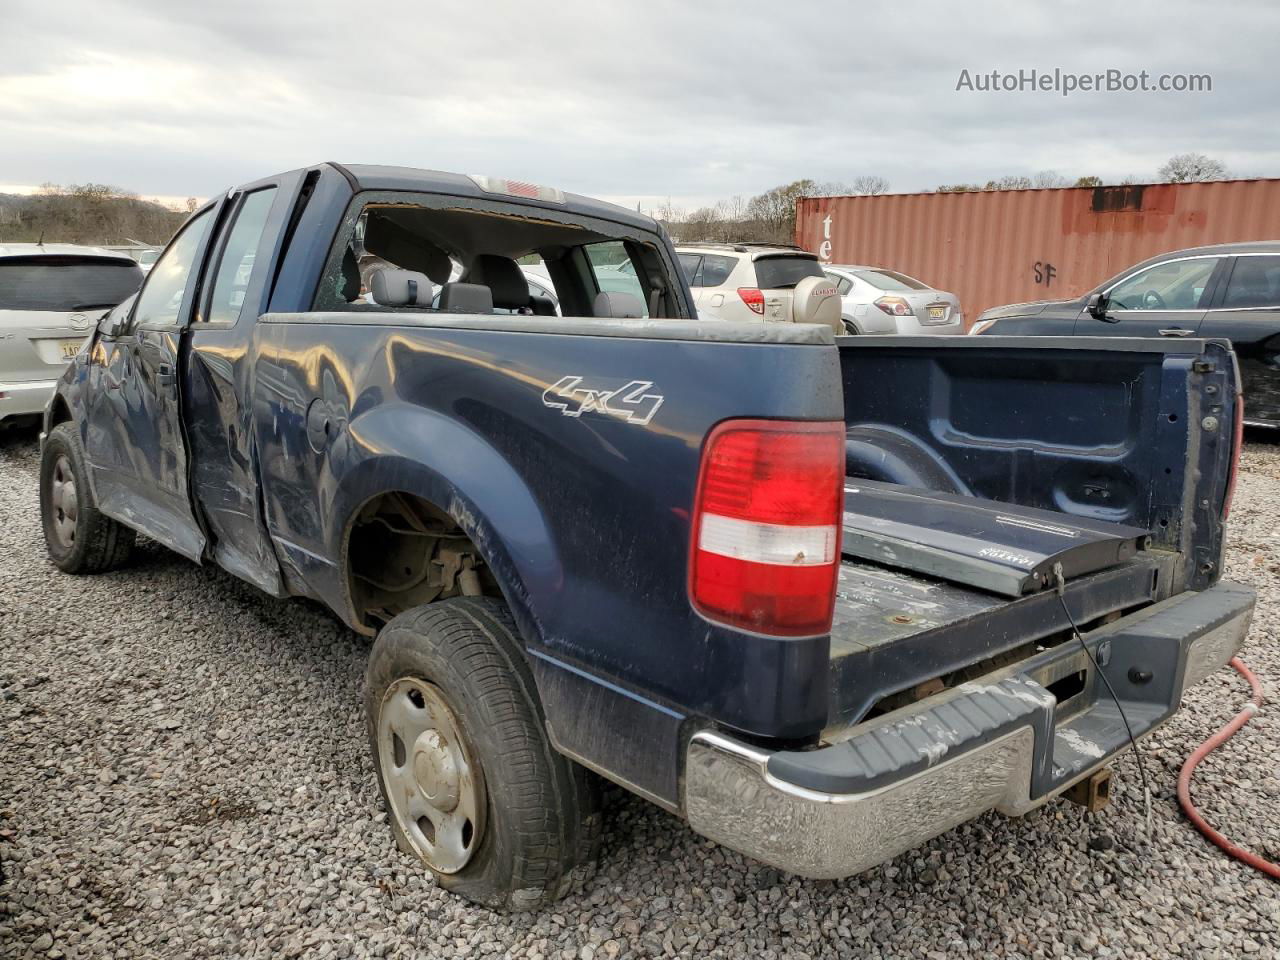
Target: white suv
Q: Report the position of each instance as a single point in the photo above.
(745, 281)
(50, 296)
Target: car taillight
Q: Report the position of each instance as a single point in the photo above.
(753, 298)
(765, 548)
(1237, 444)
(894, 306)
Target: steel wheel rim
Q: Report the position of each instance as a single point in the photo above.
(64, 504)
(434, 786)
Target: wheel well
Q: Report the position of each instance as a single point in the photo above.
(403, 551)
(59, 412)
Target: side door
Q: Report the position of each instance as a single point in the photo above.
(1166, 299)
(1247, 312)
(217, 376)
(134, 438)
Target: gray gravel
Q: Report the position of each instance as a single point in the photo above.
(183, 773)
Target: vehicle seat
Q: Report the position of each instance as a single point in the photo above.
(401, 288)
(503, 277)
(620, 305)
(465, 298)
(389, 241)
(542, 306)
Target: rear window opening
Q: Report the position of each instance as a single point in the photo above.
(63, 284)
(889, 280)
(785, 271)
(457, 255)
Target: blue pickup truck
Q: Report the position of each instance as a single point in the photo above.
(822, 597)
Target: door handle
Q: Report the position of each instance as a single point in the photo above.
(1175, 332)
(164, 375)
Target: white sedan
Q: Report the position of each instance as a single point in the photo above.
(878, 300)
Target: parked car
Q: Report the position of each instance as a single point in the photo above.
(1229, 290)
(878, 300)
(814, 596)
(50, 295)
(147, 257)
(749, 281)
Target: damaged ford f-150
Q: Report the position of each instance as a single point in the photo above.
(822, 597)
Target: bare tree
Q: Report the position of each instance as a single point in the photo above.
(1191, 167)
(775, 210)
(870, 185)
(1049, 178)
(1009, 183)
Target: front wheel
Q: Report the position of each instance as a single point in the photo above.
(473, 786)
(79, 538)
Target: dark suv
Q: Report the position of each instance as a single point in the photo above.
(1229, 290)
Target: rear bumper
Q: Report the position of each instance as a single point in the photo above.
(31, 396)
(1004, 742)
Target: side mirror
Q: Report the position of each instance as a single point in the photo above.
(1096, 307)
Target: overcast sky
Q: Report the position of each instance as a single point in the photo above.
(634, 102)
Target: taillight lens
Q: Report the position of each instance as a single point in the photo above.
(894, 306)
(765, 549)
(753, 298)
(1237, 442)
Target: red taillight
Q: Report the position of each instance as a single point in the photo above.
(1237, 444)
(894, 306)
(753, 298)
(765, 547)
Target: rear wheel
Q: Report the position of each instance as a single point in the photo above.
(473, 787)
(849, 329)
(78, 537)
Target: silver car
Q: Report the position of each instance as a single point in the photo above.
(877, 300)
(50, 296)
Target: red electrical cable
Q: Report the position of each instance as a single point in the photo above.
(1202, 751)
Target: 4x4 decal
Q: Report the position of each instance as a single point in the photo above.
(632, 402)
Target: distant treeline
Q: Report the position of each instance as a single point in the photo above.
(89, 213)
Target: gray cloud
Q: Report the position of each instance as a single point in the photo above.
(662, 99)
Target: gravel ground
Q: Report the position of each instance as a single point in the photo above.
(183, 773)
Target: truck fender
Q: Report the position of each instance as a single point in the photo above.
(408, 449)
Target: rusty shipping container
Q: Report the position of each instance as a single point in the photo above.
(1006, 246)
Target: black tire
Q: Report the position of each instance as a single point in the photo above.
(89, 542)
(542, 818)
(849, 329)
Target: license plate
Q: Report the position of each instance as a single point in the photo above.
(70, 348)
(937, 313)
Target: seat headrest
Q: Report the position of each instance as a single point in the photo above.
(465, 298)
(401, 288)
(388, 240)
(503, 277)
(621, 305)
